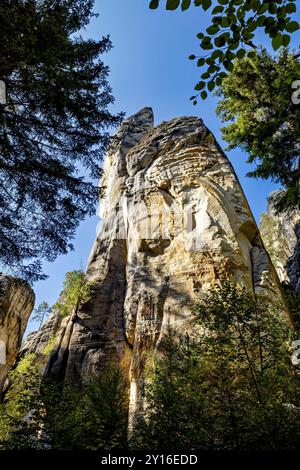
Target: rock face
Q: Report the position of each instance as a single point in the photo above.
(43, 342)
(281, 234)
(175, 218)
(16, 304)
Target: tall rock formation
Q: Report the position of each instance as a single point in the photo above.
(41, 343)
(175, 218)
(281, 235)
(16, 304)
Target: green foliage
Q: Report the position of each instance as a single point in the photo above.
(232, 31)
(76, 290)
(54, 127)
(229, 386)
(41, 313)
(256, 100)
(94, 418)
(51, 415)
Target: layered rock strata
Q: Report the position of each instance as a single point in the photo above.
(174, 220)
(281, 234)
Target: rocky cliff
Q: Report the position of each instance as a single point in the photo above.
(174, 219)
(281, 234)
(43, 342)
(16, 304)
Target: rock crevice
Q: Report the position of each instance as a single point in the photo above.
(16, 304)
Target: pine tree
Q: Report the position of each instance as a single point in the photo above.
(76, 290)
(229, 385)
(231, 33)
(54, 127)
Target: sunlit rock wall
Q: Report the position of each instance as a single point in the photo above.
(175, 219)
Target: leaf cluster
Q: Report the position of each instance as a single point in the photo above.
(231, 34)
(76, 289)
(46, 414)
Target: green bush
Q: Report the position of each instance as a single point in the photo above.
(51, 415)
(229, 386)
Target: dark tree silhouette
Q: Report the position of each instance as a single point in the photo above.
(54, 128)
(41, 313)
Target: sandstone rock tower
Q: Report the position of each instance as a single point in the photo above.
(175, 217)
(16, 304)
(281, 235)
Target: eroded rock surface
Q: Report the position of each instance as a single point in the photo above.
(175, 218)
(281, 234)
(16, 304)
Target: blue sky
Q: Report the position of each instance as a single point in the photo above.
(150, 67)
